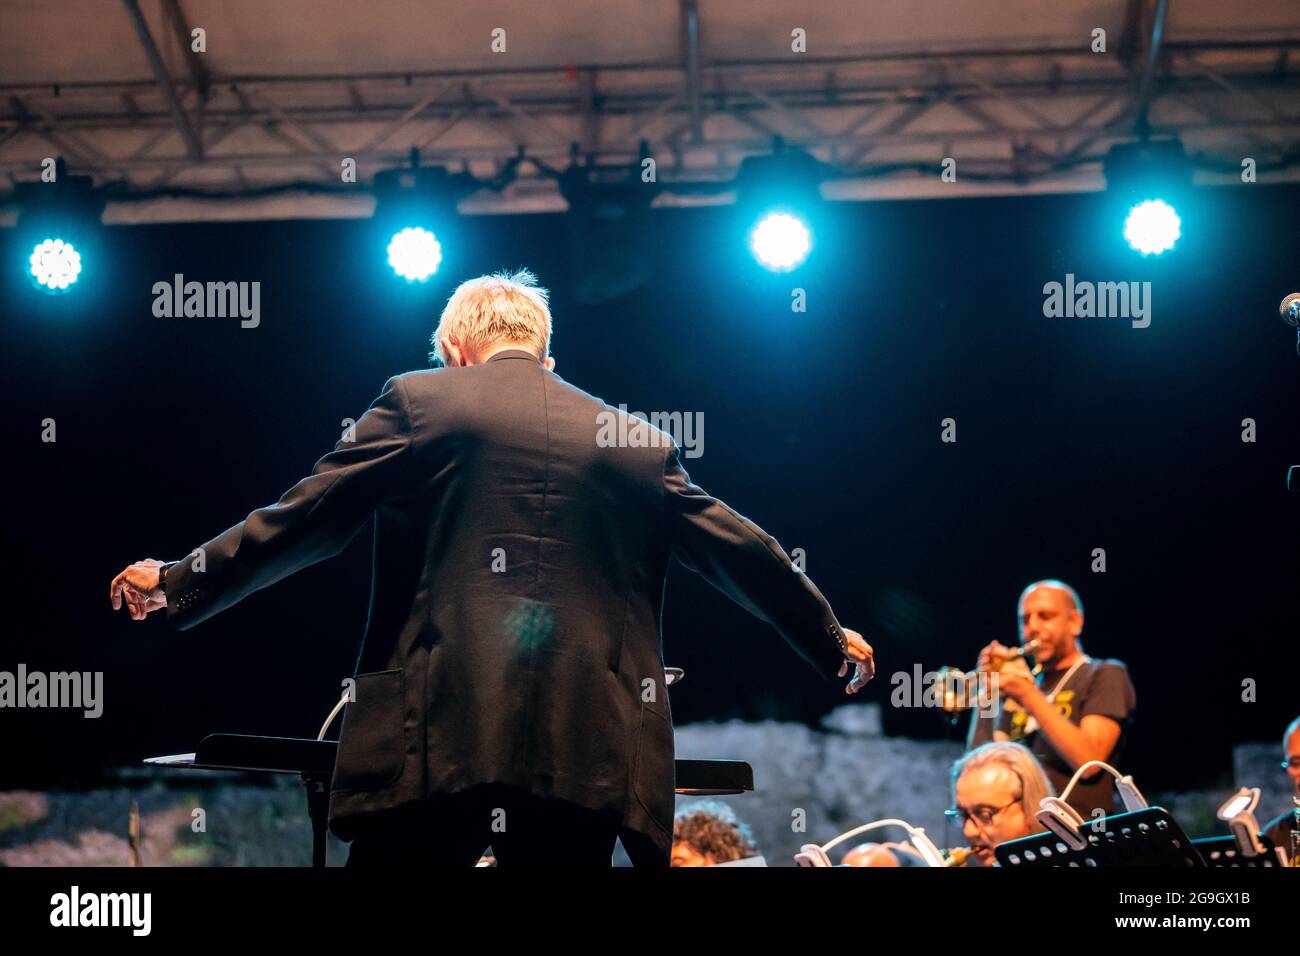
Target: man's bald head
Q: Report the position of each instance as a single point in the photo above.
(1051, 614)
(1070, 593)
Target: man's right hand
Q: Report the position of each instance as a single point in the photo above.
(991, 653)
(861, 656)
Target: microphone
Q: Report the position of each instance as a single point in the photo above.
(1290, 309)
(1290, 312)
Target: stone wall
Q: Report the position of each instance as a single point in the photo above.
(843, 775)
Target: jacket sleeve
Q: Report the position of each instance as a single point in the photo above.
(746, 564)
(312, 521)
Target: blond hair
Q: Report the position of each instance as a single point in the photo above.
(1021, 761)
(498, 309)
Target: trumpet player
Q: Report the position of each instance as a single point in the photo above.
(1074, 710)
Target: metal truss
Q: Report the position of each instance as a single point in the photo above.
(1007, 115)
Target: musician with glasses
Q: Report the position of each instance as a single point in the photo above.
(997, 789)
(1076, 709)
(1279, 830)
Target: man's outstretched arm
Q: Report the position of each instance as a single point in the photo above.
(745, 563)
(314, 520)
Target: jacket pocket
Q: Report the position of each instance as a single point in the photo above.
(372, 741)
(652, 778)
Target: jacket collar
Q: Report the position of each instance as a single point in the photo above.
(513, 354)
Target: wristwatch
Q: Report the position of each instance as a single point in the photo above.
(162, 575)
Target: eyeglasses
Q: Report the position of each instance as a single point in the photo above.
(983, 816)
(1292, 764)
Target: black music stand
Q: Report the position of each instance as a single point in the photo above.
(1149, 837)
(1222, 851)
(313, 760)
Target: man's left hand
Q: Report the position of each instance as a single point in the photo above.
(139, 586)
(1019, 687)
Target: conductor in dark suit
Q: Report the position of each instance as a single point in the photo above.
(510, 685)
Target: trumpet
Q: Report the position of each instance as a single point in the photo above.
(956, 683)
(957, 856)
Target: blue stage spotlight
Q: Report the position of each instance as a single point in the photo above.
(414, 253)
(1152, 227)
(58, 230)
(780, 241)
(55, 265)
(779, 197)
(416, 218)
(1146, 180)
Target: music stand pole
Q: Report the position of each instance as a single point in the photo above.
(318, 806)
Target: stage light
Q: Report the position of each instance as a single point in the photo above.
(610, 239)
(416, 220)
(414, 253)
(779, 198)
(55, 265)
(780, 241)
(1146, 180)
(58, 231)
(1152, 227)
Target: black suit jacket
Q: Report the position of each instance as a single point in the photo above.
(519, 564)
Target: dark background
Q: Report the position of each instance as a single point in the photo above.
(823, 426)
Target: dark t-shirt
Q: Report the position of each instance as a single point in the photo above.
(1099, 687)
